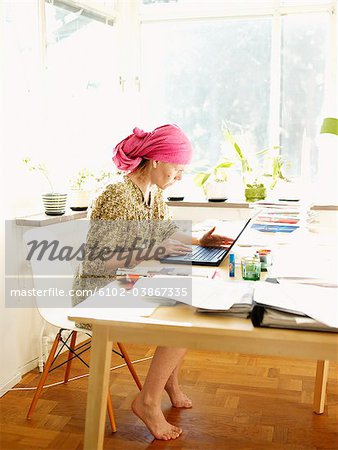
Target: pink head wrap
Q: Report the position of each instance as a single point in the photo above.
(167, 143)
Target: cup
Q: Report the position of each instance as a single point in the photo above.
(251, 268)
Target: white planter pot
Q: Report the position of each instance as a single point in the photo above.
(176, 191)
(79, 200)
(54, 204)
(216, 191)
(286, 191)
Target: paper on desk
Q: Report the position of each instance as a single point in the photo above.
(112, 313)
(320, 303)
(305, 262)
(214, 294)
(321, 282)
(163, 270)
(112, 302)
(218, 294)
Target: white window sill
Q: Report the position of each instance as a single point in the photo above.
(41, 219)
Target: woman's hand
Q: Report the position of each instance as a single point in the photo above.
(214, 240)
(172, 247)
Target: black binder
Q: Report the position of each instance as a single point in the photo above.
(272, 317)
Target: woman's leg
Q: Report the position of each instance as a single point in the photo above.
(147, 404)
(178, 398)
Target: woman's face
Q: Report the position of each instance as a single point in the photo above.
(165, 174)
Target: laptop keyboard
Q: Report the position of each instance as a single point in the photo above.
(204, 253)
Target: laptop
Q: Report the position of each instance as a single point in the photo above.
(204, 256)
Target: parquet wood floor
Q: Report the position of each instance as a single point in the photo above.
(241, 402)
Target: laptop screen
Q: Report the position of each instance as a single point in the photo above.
(239, 235)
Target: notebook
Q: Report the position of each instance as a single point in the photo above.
(204, 256)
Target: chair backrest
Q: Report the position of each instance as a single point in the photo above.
(52, 274)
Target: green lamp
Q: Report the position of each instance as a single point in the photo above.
(330, 125)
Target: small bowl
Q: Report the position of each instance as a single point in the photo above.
(215, 200)
(175, 199)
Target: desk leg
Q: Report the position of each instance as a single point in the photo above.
(100, 357)
(320, 386)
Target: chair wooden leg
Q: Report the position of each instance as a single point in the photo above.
(70, 356)
(130, 365)
(44, 375)
(111, 413)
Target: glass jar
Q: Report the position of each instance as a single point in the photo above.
(251, 268)
(265, 258)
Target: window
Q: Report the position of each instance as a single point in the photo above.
(260, 67)
(304, 50)
(80, 89)
(206, 72)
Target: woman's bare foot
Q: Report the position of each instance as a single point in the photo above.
(153, 418)
(178, 398)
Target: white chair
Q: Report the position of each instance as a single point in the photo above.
(61, 273)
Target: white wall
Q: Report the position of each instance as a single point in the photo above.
(8, 340)
(19, 328)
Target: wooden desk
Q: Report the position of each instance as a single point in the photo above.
(181, 326)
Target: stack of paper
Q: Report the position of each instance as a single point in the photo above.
(207, 295)
(241, 295)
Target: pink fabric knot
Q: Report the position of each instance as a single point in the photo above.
(140, 133)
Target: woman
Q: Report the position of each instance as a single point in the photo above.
(153, 161)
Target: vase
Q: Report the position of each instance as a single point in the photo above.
(79, 200)
(255, 193)
(216, 191)
(54, 203)
(287, 190)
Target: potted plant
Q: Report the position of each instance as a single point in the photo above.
(80, 190)
(54, 202)
(280, 184)
(277, 172)
(253, 176)
(214, 181)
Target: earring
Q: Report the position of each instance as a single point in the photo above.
(154, 164)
